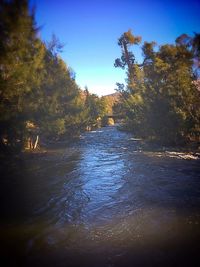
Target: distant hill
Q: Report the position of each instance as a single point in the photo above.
(111, 99)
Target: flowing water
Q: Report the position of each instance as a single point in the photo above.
(103, 201)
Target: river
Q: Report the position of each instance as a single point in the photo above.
(102, 201)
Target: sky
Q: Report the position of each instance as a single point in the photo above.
(89, 30)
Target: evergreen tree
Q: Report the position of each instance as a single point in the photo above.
(95, 107)
(161, 101)
(39, 94)
(21, 60)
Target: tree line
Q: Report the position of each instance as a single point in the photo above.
(39, 97)
(161, 98)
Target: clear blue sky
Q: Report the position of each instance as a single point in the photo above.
(90, 29)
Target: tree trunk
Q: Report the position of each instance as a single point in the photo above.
(36, 142)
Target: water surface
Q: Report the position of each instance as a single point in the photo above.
(103, 201)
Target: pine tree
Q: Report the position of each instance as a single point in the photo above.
(20, 61)
(161, 101)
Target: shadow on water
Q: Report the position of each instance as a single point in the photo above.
(102, 202)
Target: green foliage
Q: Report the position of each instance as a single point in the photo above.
(39, 95)
(21, 61)
(160, 101)
(95, 107)
(56, 96)
(127, 58)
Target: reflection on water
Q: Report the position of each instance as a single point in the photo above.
(104, 202)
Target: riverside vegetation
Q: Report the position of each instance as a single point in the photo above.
(161, 98)
(38, 91)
